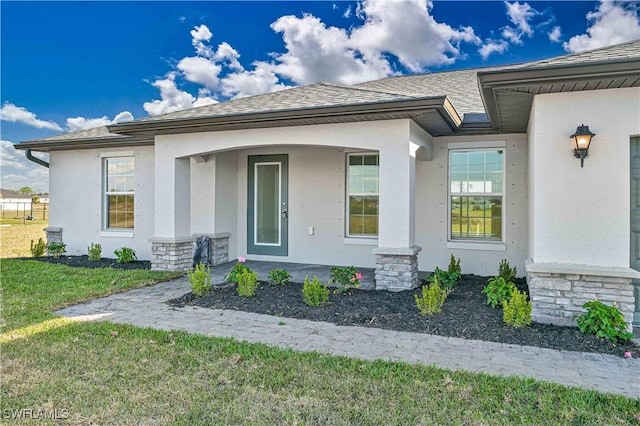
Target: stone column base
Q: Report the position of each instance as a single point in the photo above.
(396, 268)
(218, 247)
(172, 254)
(54, 235)
(558, 291)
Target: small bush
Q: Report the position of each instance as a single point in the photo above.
(247, 284)
(604, 321)
(454, 266)
(314, 293)
(38, 249)
(95, 252)
(498, 290)
(345, 277)
(445, 279)
(279, 277)
(56, 249)
(506, 271)
(517, 310)
(238, 268)
(432, 299)
(125, 255)
(200, 279)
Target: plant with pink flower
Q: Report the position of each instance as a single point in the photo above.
(345, 278)
(238, 269)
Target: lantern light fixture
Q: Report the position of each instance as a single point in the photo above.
(582, 140)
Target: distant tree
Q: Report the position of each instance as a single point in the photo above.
(35, 200)
(26, 190)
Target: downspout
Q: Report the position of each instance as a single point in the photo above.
(36, 160)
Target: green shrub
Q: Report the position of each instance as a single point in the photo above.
(38, 249)
(314, 293)
(604, 321)
(507, 272)
(247, 284)
(279, 277)
(517, 310)
(498, 290)
(95, 252)
(125, 255)
(454, 266)
(432, 299)
(56, 249)
(345, 277)
(445, 279)
(238, 268)
(200, 279)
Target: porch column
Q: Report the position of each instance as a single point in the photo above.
(171, 247)
(396, 254)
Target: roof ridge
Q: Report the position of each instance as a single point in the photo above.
(367, 89)
(568, 55)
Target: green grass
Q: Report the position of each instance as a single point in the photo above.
(106, 373)
(33, 289)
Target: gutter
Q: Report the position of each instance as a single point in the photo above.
(36, 160)
(269, 118)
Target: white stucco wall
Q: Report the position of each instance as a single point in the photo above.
(581, 215)
(432, 214)
(75, 187)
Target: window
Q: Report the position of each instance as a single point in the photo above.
(475, 192)
(119, 182)
(362, 195)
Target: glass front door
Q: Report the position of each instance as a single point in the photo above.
(268, 205)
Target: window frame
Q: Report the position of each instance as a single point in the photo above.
(349, 237)
(106, 230)
(468, 243)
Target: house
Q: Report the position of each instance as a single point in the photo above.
(395, 174)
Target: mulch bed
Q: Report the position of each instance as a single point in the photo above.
(465, 314)
(84, 262)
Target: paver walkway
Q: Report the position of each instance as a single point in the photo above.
(145, 307)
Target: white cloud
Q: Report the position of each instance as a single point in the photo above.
(15, 114)
(520, 15)
(555, 34)
(613, 22)
(491, 47)
(82, 123)
(173, 99)
(347, 13)
(16, 171)
(200, 70)
(316, 52)
(248, 83)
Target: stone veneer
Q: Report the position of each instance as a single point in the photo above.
(172, 254)
(218, 247)
(558, 291)
(54, 235)
(396, 268)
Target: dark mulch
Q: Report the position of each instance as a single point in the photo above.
(465, 314)
(84, 262)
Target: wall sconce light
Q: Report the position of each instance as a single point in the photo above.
(582, 140)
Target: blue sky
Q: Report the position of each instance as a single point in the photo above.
(72, 65)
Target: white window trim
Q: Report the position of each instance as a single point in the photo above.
(114, 232)
(359, 238)
(255, 203)
(477, 244)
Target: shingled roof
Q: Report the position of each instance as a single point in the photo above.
(436, 101)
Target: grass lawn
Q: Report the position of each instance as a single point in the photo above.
(104, 373)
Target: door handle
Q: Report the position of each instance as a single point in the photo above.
(285, 213)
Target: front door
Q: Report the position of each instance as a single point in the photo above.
(268, 205)
(635, 223)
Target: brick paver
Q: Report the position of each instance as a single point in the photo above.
(145, 307)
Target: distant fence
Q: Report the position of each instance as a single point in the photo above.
(24, 210)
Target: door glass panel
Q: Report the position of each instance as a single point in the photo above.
(267, 204)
